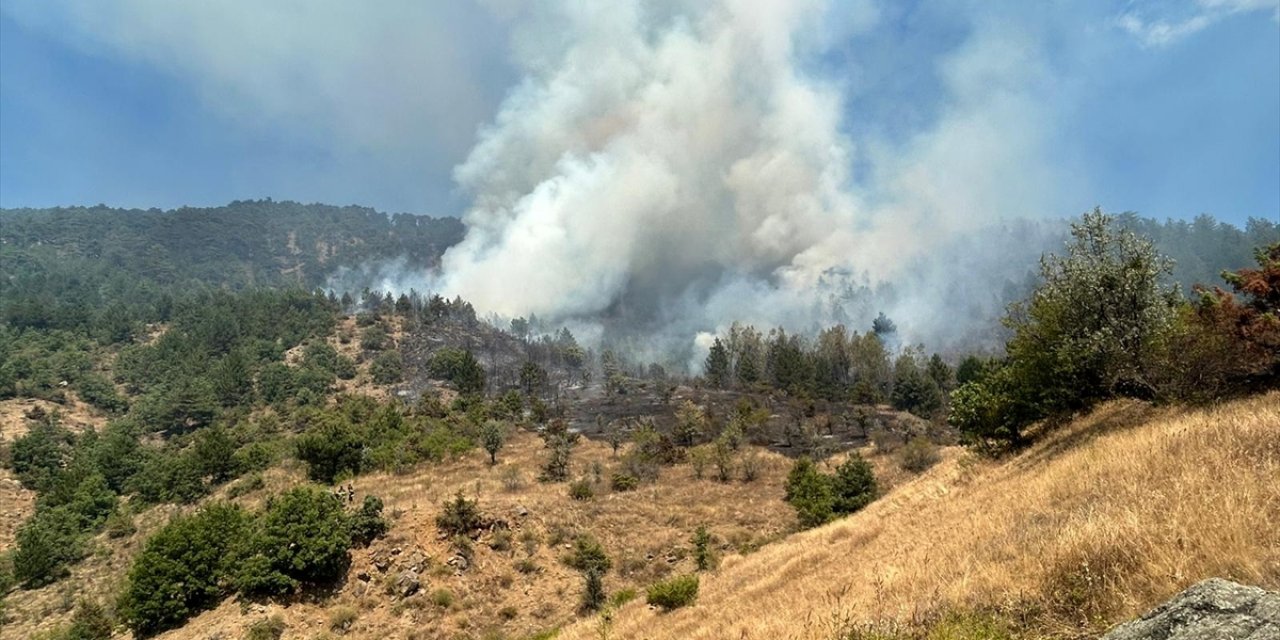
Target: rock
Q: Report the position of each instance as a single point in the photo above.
(1214, 609)
(416, 561)
(407, 583)
(459, 562)
(521, 511)
(381, 562)
(363, 576)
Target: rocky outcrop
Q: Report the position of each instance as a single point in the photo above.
(1215, 609)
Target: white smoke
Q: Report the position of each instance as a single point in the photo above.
(680, 164)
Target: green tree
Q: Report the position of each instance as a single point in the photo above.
(810, 493)
(493, 435)
(330, 448)
(302, 538)
(854, 485)
(459, 367)
(716, 367)
(387, 368)
(182, 569)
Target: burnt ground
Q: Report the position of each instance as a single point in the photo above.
(793, 427)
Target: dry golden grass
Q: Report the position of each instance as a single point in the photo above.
(646, 532)
(1100, 521)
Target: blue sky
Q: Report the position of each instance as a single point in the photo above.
(1167, 108)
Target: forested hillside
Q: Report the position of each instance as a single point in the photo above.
(175, 385)
(61, 264)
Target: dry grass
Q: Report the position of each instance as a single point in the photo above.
(646, 532)
(1099, 522)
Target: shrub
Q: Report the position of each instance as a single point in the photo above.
(46, 544)
(581, 490)
(168, 476)
(918, 456)
(367, 524)
(460, 516)
(854, 485)
(673, 593)
(460, 368)
(442, 598)
(751, 466)
(702, 549)
(374, 338)
(266, 629)
(182, 569)
(493, 435)
(387, 368)
(588, 555)
(512, 479)
(556, 469)
(120, 524)
(331, 448)
(623, 482)
(302, 537)
(810, 493)
(342, 619)
(593, 595)
(252, 483)
(90, 622)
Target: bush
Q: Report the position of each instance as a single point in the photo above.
(442, 598)
(673, 593)
(120, 524)
(460, 516)
(249, 484)
(302, 537)
(460, 368)
(918, 456)
(331, 448)
(374, 338)
(367, 524)
(182, 569)
(588, 555)
(90, 622)
(387, 368)
(702, 549)
(854, 485)
(624, 482)
(46, 544)
(810, 493)
(593, 595)
(266, 629)
(581, 490)
(342, 619)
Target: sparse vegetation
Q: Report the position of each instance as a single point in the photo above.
(673, 593)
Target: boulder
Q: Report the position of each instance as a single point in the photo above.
(407, 583)
(1214, 609)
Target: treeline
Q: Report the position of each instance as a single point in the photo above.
(1102, 323)
(250, 243)
(837, 364)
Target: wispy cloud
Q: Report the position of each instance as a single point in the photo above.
(1169, 22)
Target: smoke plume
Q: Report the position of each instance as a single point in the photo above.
(673, 167)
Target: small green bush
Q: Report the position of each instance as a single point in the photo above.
(266, 629)
(673, 593)
(593, 595)
(367, 524)
(460, 516)
(588, 555)
(442, 598)
(581, 490)
(918, 456)
(624, 482)
(387, 368)
(342, 619)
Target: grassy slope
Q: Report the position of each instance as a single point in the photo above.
(1098, 522)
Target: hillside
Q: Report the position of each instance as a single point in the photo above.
(1096, 523)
